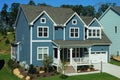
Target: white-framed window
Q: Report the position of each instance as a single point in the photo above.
(43, 20)
(74, 22)
(42, 52)
(43, 32)
(94, 33)
(74, 32)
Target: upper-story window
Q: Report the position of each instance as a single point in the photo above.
(74, 22)
(94, 33)
(74, 32)
(42, 32)
(43, 20)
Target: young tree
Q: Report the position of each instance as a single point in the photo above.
(47, 62)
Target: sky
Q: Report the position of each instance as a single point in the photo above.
(57, 3)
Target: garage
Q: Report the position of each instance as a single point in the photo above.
(98, 56)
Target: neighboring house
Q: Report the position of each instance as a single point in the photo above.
(110, 21)
(59, 33)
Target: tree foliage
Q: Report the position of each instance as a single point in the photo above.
(31, 2)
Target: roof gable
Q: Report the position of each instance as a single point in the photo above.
(116, 9)
(95, 23)
(72, 17)
(57, 15)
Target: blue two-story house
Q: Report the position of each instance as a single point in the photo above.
(59, 33)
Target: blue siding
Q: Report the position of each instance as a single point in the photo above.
(23, 36)
(95, 24)
(59, 33)
(101, 48)
(49, 23)
(34, 48)
(81, 27)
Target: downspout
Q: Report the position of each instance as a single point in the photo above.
(30, 44)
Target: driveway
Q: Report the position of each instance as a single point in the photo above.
(109, 68)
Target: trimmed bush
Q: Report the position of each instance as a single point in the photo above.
(32, 69)
(12, 64)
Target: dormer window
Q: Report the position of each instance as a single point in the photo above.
(94, 33)
(43, 20)
(74, 22)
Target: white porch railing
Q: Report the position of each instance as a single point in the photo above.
(83, 60)
(79, 61)
(74, 64)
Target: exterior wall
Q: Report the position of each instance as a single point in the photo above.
(59, 33)
(34, 52)
(48, 23)
(81, 29)
(23, 36)
(101, 48)
(95, 24)
(109, 21)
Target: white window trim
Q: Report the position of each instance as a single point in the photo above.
(73, 21)
(42, 35)
(42, 52)
(93, 28)
(42, 19)
(74, 35)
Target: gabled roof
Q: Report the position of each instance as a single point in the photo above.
(59, 15)
(114, 8)
(86, 19)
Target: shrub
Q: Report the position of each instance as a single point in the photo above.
(12, 64)
(32, 69)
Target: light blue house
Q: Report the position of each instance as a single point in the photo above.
(59, 33)
(111, 26)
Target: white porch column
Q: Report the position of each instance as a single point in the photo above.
(58, 53)
(89, 52)
(71, 56)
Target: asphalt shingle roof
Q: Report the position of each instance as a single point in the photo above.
(116, 9)
(59, 15)
(84, 43)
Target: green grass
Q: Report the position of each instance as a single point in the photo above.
(5, 73)
(114, 62)
(96, 76)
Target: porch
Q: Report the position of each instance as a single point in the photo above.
(72, 57)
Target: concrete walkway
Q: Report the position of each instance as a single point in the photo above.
(109, 68)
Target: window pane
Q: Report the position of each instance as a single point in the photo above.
(76, 30)
(89, 32)
(40, 34)
(39, 50)
(94, 32)
(39, 56)
(45, 34)
(72, 30)
(76, 34)
(72, 34)
(98, 32)
(40, 29)
(45, 30)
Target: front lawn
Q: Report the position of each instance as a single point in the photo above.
(96, 76)
(114, 62)
(5, 73)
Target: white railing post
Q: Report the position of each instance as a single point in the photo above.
(89, 51)
(71, 56)
(74, 64)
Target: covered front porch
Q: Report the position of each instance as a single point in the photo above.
(72, 55)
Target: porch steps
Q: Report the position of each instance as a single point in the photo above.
(69, 69)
